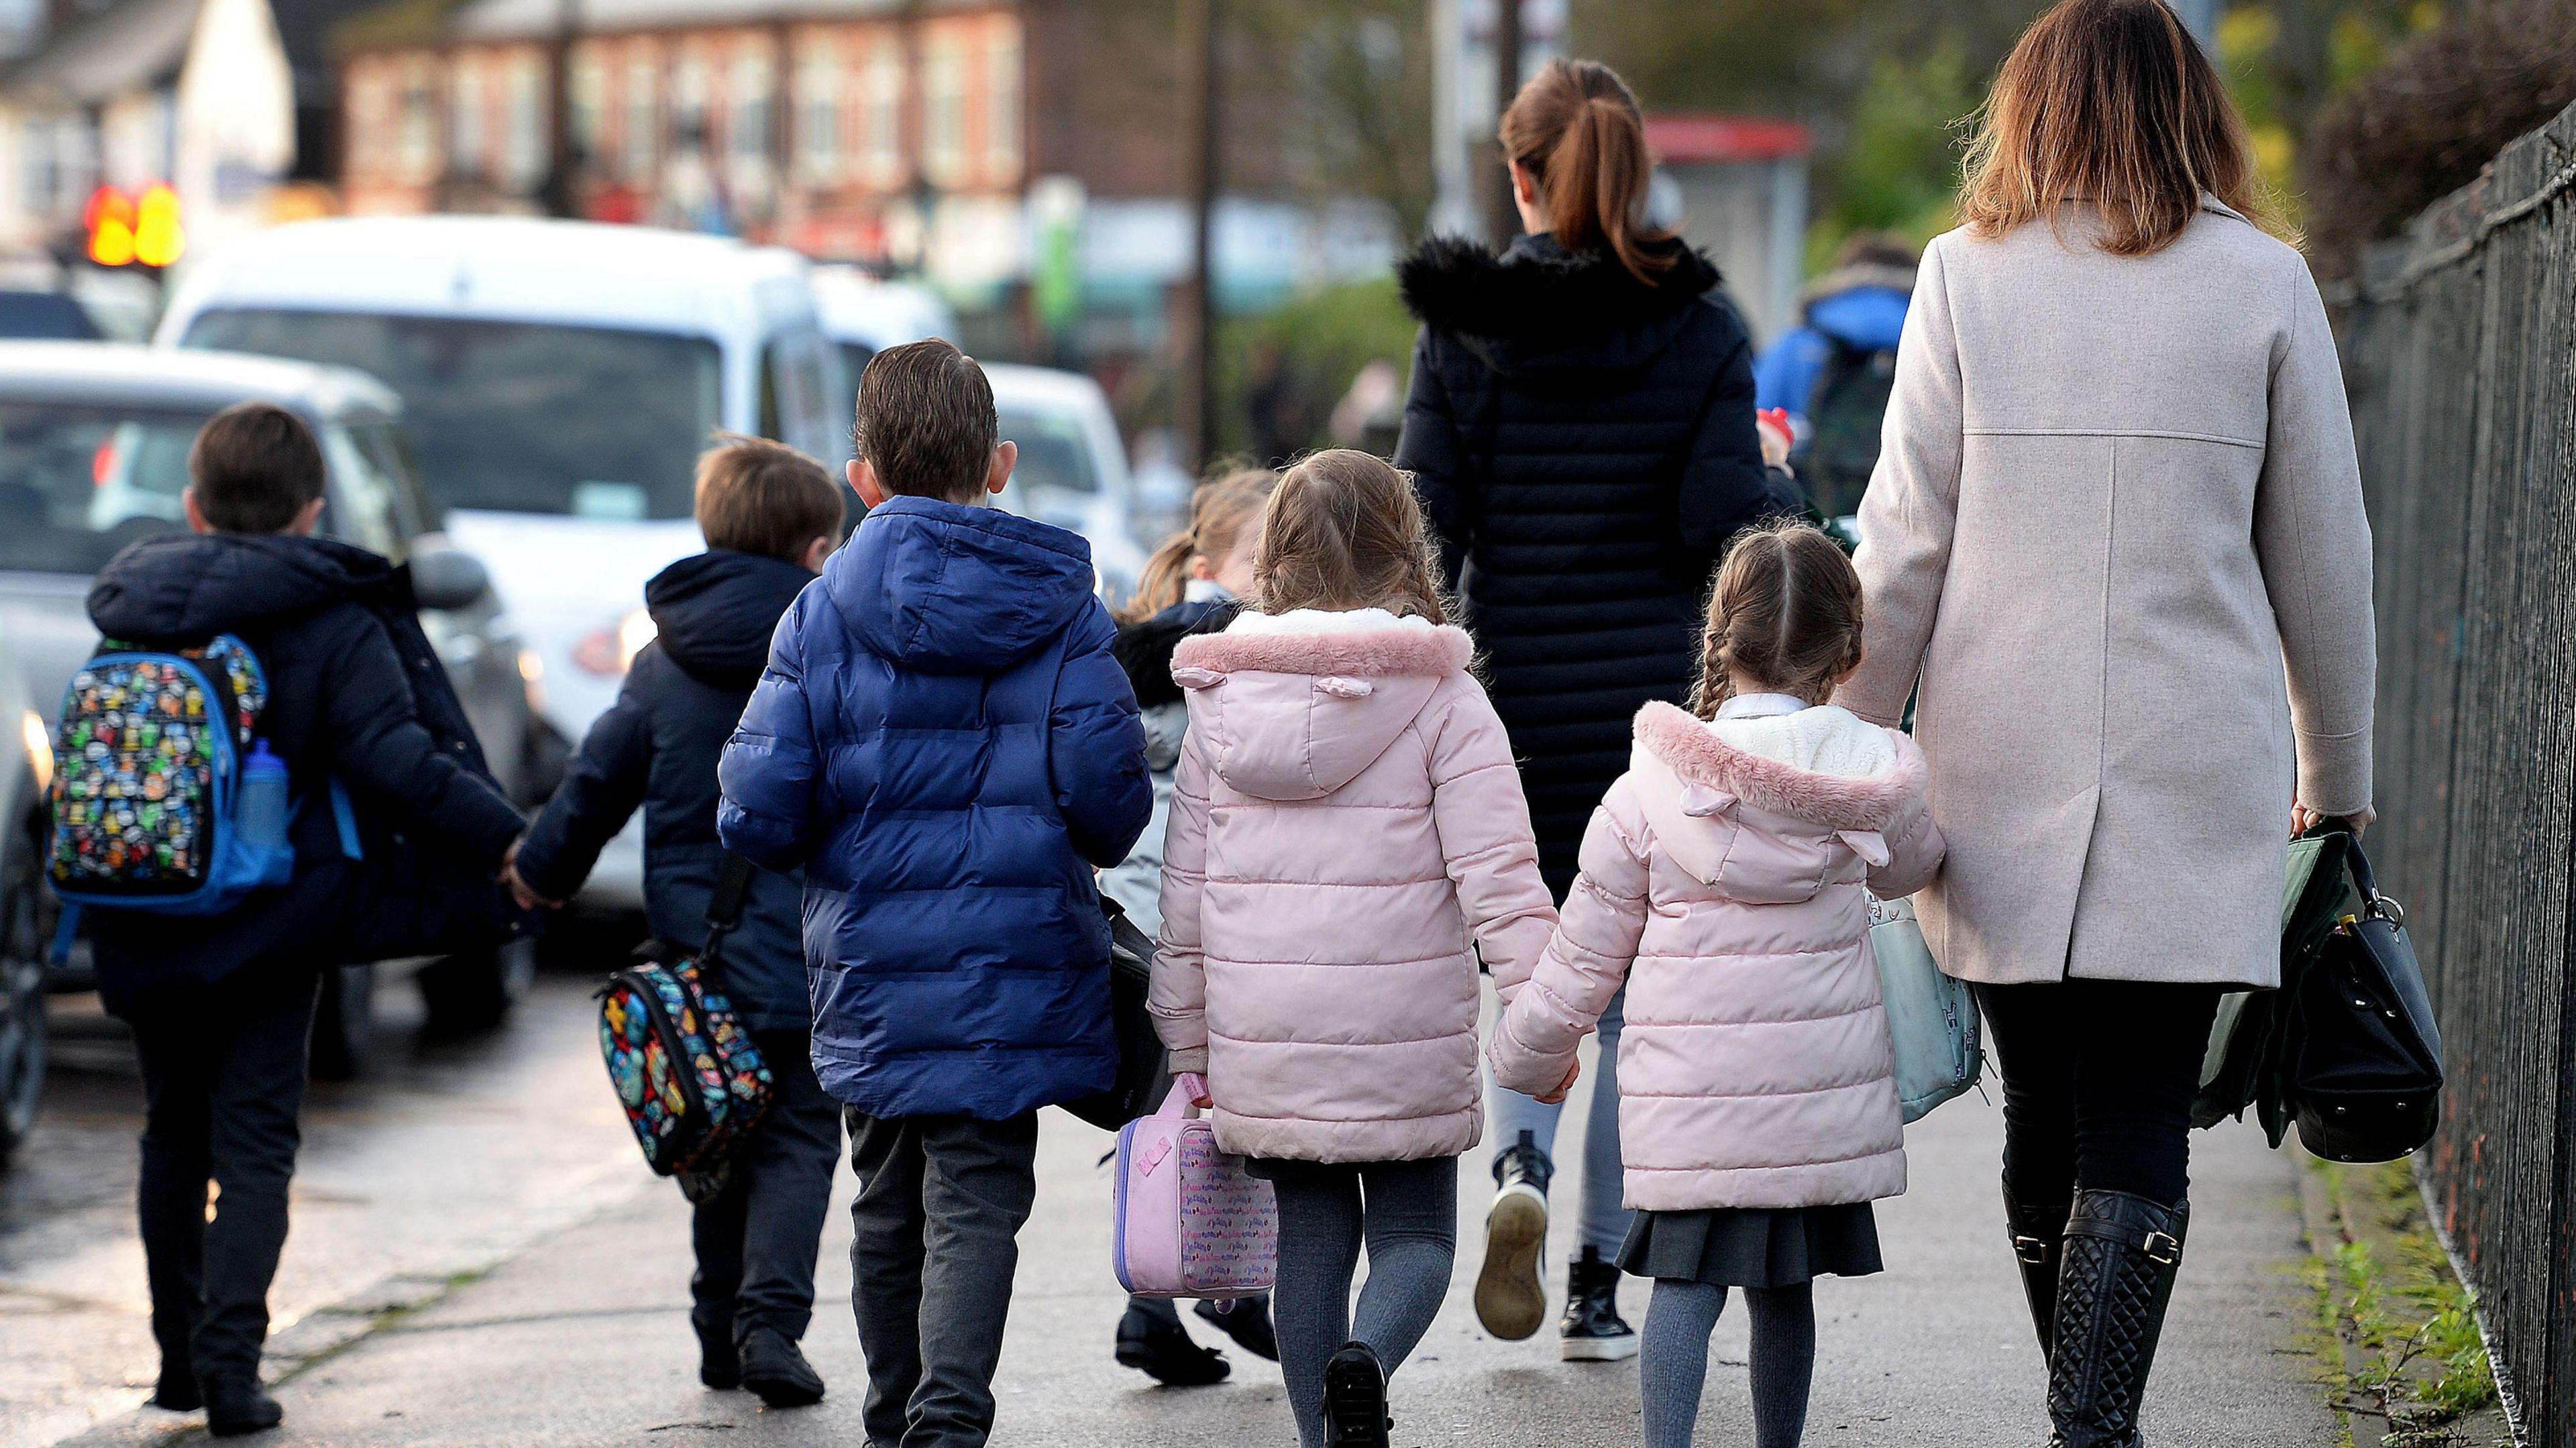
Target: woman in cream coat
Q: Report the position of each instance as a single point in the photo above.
(2116, 535)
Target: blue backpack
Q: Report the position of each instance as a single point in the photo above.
(150, 808)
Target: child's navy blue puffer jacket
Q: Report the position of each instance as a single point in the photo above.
(655, 748)
(944, 743)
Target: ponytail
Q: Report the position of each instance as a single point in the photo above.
(1220, 511)
(1576, 129)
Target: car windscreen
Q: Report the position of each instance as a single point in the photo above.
(1053, 450)
(78, 483)
(520, 417)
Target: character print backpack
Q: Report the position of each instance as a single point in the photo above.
(163, 800)
(688, 1074)
(1189, 1220)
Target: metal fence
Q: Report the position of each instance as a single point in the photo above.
(2460, 353)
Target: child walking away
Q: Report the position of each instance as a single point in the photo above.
(1347, 836)
(770, 515)
(222, 1004)
(1194, 583)
(944, 744)
(1724, 882)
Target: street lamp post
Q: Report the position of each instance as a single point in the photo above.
(1195, 379)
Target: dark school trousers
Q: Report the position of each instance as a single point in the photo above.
(223, 1081)
(934, 1243)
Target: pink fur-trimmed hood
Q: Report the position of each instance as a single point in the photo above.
(1411, 651)
(1696, 755)
(1294, 707)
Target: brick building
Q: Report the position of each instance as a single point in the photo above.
(878, 131)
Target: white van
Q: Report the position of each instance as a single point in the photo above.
(1073, 467)
(559, 379)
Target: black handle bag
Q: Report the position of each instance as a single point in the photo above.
(2364, 1071)
(2347, 1048)
(1144, 1068)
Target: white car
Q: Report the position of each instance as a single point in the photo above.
(864, 316)
(560, 379)
(1073, 468)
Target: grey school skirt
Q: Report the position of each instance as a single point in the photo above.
(1753, 1246)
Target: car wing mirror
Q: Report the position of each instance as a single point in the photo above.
(448, 578)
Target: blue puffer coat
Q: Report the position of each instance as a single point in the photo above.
(945, 745)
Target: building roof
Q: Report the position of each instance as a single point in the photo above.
(131, 45)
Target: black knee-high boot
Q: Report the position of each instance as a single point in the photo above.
(2115, 1279)
(2036, 1229)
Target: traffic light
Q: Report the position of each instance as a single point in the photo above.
(125, 231)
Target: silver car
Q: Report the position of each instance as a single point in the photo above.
(93, 454)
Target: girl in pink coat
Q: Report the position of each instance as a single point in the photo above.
(1726, 879)
(1347, 838)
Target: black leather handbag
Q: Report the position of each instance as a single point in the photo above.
(2346, 1049)
(2364, 1073)
(1144, 1068)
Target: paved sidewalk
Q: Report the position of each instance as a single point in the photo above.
(583, 1339)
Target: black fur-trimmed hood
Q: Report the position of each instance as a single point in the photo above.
(1537, 290)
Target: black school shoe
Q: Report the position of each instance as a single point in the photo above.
(775, 1368)
(1161, 1349)
(1247, 1321)
(719, 1361)
(1355, 1413)
(1592, 1330)
(177, 1390)
(237, 1408)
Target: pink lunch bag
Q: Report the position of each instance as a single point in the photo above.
(1190, 1222)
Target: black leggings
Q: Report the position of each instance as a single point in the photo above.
(2098, 1077)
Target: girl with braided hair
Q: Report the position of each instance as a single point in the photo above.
(1725, 884)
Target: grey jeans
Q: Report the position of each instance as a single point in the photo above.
(757, 1239)
(1605, 1221)
(934, 1242)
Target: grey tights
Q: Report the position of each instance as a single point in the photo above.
(1406, 1214)
(1672, 1366)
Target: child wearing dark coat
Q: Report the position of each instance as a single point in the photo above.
(945, 744)
(222, 1005)
(770, 515)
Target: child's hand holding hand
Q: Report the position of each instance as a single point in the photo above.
(526, 898)
(1557, 1096)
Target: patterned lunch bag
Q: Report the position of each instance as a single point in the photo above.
(1190, 1221)
(149, 756)
(688, 1074)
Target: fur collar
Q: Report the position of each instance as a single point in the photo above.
(1540, 290)
(1413, 652)
(1695, 754)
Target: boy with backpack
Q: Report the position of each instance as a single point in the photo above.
(1833, 372)
(770, 515)
(945, 743)
(309, 652)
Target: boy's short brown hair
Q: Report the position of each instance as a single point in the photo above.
(758, 496)
(926, 421)
(254, 467)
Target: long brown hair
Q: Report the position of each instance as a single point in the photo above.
(1221, 511)
(1576, 128)
(1342, 532)
(1785, 613)
(2111, 102)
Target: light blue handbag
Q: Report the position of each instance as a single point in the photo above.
(1932, 1019)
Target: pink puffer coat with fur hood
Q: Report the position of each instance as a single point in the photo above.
(1756, 1069)
(1347, 833)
